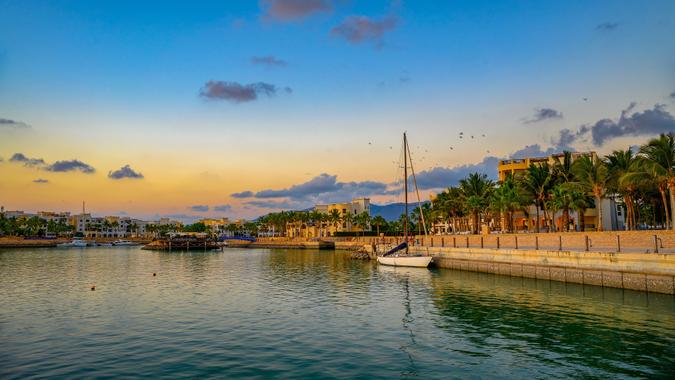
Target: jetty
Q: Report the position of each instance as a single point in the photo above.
(182, 243)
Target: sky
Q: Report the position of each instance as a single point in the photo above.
(239, 108)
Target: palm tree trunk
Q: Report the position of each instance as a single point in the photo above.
(598, 206)
(475, 222)
(536, 207)
(566, 219)
(665, 205)
(545, 209)
(672, 206)
(582, 220)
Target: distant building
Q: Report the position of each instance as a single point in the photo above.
(328, 227)
(613, 218)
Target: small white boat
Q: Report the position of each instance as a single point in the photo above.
(74, 243)
(405, 261)
(121, 243)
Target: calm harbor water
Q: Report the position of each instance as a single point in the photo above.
(311, 314)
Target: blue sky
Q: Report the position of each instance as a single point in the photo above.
(116, 83)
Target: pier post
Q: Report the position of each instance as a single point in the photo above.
(586, 241)
(559, 242)
(481, 242)
(498, 245)
(516, 239)
(618, 243)
(656, 244)
(442, 241)
(454, 242)
(536, 243)
(467, 241)
(432, 241)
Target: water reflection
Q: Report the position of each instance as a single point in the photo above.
(612, 330)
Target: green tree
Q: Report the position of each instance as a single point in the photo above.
(537, 182)
(591, 174)
(661, 152)
(378, 221)
(476, 189)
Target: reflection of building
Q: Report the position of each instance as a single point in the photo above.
(336, 217)
(612, 217)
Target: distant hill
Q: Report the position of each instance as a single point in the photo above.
(391, 211)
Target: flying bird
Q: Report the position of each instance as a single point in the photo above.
(471, 136)
(585, 99)
(450, 148)
(369, 143)
(483, 135)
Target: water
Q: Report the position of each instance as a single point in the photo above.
(310, 314)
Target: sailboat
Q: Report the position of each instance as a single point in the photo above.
(400, 256)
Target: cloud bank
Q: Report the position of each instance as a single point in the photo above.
(268, 60)
(124, 172)
(8, 123)
(541, 114)
(199, 208)
(294, 10)
(40, 180)
(607, 26)
(70, 166)
(26, 161)
(222, 208)
(646, 123)
(359, 29)
(237, 93)
(243, 194)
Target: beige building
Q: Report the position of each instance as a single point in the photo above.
(329, 225)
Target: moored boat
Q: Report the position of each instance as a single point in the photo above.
(121, 243)
(73, 243)
(399, 256)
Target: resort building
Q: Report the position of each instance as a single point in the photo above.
(613, 218)
(337, 217)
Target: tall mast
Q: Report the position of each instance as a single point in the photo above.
(405, 185)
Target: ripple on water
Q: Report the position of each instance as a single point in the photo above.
(308, 314)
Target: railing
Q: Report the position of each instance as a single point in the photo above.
(621, 241)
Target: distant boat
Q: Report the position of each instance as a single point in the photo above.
(73, 243)
(399, 255)
(121, 243)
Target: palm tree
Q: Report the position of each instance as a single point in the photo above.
(591, 174)
(537, 182)
(379, 221)
(622, 163)
(661, 151)
(649, 175)
(476, 189)
(561, 199)
(579, 202)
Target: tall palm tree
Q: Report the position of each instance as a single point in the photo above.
(591, 174)
(476, 189)
(621, 163)
(661, 151)
(536, 182)
(649, 175)
(379, 221)
(561, 199)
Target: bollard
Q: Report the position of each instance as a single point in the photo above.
(497, 242)
(536, 243)
(516, 240)
(443, 242)
(467, 242)
(481, 242)
(454, 242)
(432, 241)
(656, 244)
(618, 243)
(586, 242)
(559, 242)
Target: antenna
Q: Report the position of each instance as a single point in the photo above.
(83, 207)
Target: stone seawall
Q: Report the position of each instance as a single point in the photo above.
(649, 272)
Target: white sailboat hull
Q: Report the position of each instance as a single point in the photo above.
(405, 261)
